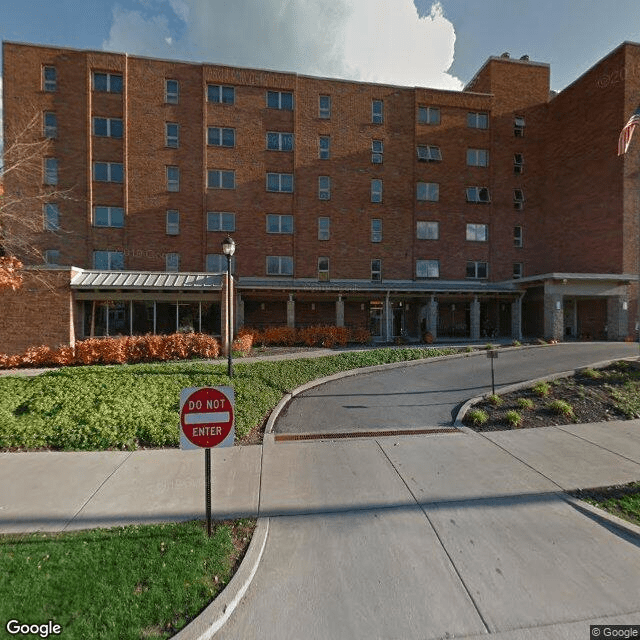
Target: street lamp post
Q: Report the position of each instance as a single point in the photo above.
(228, 248)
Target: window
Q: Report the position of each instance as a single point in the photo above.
(51, 171)
(428, 230)
(428, 191)
(376, 230)
(171, 130)
(172, 262)
(221, 179)
(377, 111)
(324, 147)
(376, 270)
(108, 217)
(518, 127)
(107, 82)
(217, 263)
(173, 179)
(477, 270)
(279, 141)
(477, 232)
(427, 268)
(221, 95)
(51, 257)
(428, 115)
(324, 228)
(478, 120)
(221, 137)
(517, 237)
(173, 223)
(324, 107)
(323, 269)
(376, 191)
(518, 270)
(518, 164)
(108, 172)
(279, 223)
(282, 182)
(478, 195)
(108, 260)
(221, 221)
(171, 91)
(280, 100)
(279, 266)
(107, 127)
(477, 158)
(429, 153)
(49, 79)
(518, 199)
(50, 125)
(324, 187)
(51, 217)
(377, 151)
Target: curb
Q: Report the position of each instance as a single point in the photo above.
(211, 620)
(603, 517)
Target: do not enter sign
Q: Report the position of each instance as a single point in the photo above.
(206, 416)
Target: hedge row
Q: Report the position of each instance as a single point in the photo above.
(316, 336)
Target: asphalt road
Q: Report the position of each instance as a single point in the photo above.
(423, 396)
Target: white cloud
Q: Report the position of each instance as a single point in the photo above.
(373, 40)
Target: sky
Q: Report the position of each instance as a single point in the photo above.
(438, 44)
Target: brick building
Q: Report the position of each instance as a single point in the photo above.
(499, 210)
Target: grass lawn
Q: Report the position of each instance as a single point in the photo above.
(623, 502)
(131, 406)
(126, 582)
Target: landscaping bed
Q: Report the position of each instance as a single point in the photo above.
(622, 500)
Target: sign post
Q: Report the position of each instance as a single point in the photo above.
(492, 354)
(206, 421)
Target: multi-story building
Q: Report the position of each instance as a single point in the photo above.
(498, 210)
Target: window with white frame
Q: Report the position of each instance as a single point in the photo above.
(173, 179)
(477, 270)
(324, 228)
(518, 199)
(221, 137)
(108, 216)
(52, 257)
(428, 191)
(279, 223)
(376, 190)
(51, 171)
(324, 107)
(172, 262)
(324, 147)
(377, 151)
(477, 232)
(107, 127)
(429, 153)
(51, 217)
(478, 195)
(221, 179)
(376, 230)
(50, 125)
(428, 230)
(220, 94)
(324, 188)
(279, 266)
(108, 260)
(518, 126)
(108, 172)
(377, 111)
(323, 269)
(428, 115)
(171, 133)
(280, 182)
(282, 100)
(517, 237)
(427, 268)
(518, 270)
(49, 79)
(173, 222)
(478, 120)
(107, 82)
(477, 158)
(171, 91)
(376, 270)
(518, 163)
(221, 221)
(277, 141)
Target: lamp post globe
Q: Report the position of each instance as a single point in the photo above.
(229, 248)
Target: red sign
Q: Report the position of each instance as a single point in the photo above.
(206, 417)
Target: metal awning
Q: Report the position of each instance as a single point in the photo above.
(146, 280)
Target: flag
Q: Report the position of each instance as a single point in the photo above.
(627, 132)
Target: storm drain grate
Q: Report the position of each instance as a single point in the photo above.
(285, 437)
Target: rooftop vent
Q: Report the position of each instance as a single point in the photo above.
(525, 58)
(505, 55)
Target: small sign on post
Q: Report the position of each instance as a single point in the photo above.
(207, 420)
(492, 354)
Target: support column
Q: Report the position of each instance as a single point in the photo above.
(388, 320)
(239, 311)
(340, 312)
(617, 318)
(516, 319)
(225, 309)
(553, 316)
(291, 311)
(475, 319)
(433, 318)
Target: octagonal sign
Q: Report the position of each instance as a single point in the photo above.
(207, 416)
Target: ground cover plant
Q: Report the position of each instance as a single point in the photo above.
(133, 406)
(622, 501)
(126, 582)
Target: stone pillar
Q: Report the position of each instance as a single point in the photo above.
(553, 316)
(239, 311)
(433, 317)
(339, 312)
(617, 318)
(388, 320)
(516, 319)
(475, 319)
(224, 311)
(291, 311)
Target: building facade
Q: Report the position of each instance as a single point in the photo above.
(499, 210)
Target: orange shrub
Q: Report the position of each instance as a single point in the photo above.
(361, 335)
(243, 343)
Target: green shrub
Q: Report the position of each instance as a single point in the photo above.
(542, 389)
(495, 400)
(513, 418)
(525, 403)
(562, 408)
(593, 374)
(477, 417)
